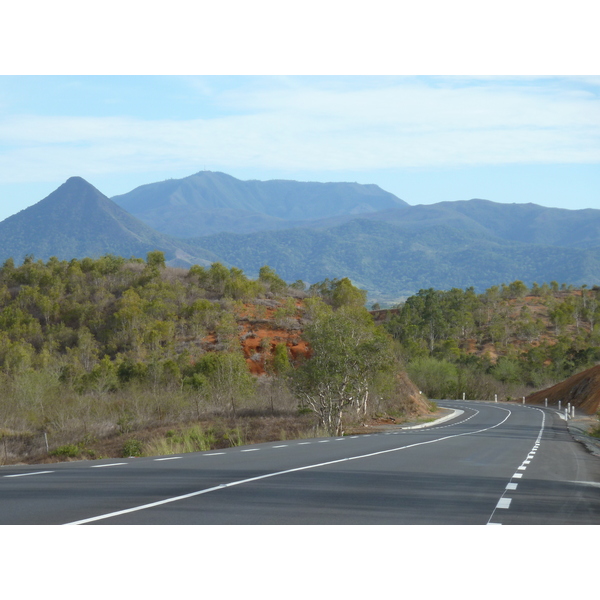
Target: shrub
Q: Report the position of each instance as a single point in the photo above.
(67, 451)
(132, 448)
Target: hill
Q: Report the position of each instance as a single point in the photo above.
(208, 202)
(118, 357)
(581, 390)
(77, 221)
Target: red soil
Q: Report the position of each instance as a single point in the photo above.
(581, 390)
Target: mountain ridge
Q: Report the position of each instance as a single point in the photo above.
(77, 220)
(392, 253)
(210, 202)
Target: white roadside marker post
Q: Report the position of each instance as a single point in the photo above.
(495, 397)
(546, 402)
(523, 399)
(559, 405)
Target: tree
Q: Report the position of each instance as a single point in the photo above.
(225, 377)
(348, 354)
(271, 280)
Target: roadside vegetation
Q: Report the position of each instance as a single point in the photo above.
(116, 357)
(509, 341)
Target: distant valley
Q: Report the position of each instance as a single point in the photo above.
(311, 231)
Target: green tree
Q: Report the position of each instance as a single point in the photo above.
(271, 280)
(226, 378)
(348, 354)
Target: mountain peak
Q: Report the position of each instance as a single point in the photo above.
(77, 220)
(210, 202)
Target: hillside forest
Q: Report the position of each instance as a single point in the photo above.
(508, 341)
(121, 357)
(128, 357)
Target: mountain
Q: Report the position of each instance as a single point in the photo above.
(527, 223)
(76, 220)
(211, 202)
(394, 259)
(316, 231)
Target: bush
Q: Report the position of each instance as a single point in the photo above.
(132, 448)
(67, 451)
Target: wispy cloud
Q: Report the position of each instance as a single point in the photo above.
(323, 124)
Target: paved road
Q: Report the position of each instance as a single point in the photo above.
(491, 464)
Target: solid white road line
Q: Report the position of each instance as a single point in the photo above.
(278, 473)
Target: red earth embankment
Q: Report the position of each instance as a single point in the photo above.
(581, 390)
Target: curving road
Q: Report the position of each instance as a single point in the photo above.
(490, 464)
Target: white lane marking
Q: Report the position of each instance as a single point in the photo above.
(27, 474)
(109, 465)
(287, 471)
(281, 446)
(511, 486)
(323, 441)
(433, 427)
(504, 503)
(167, 458)
(250, 450)
(526, 462)
(214, 454)
(304, 443)
(338, 439)
(591, 483)
(494, 523)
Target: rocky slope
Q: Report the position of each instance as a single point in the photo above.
(581, 390)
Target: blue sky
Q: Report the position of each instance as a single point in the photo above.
(426, 138)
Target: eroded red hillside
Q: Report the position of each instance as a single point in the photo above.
(581, 390)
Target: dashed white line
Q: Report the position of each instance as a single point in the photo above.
(517, 475)
(278, 473)
(109, 465)
(280, 446)
(504, 503)
(214, 453)
(511, 486)
(167, 458)
(27, 474)
(304, 443)
(250, 450)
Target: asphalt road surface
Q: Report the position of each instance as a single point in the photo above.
(491, 464)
